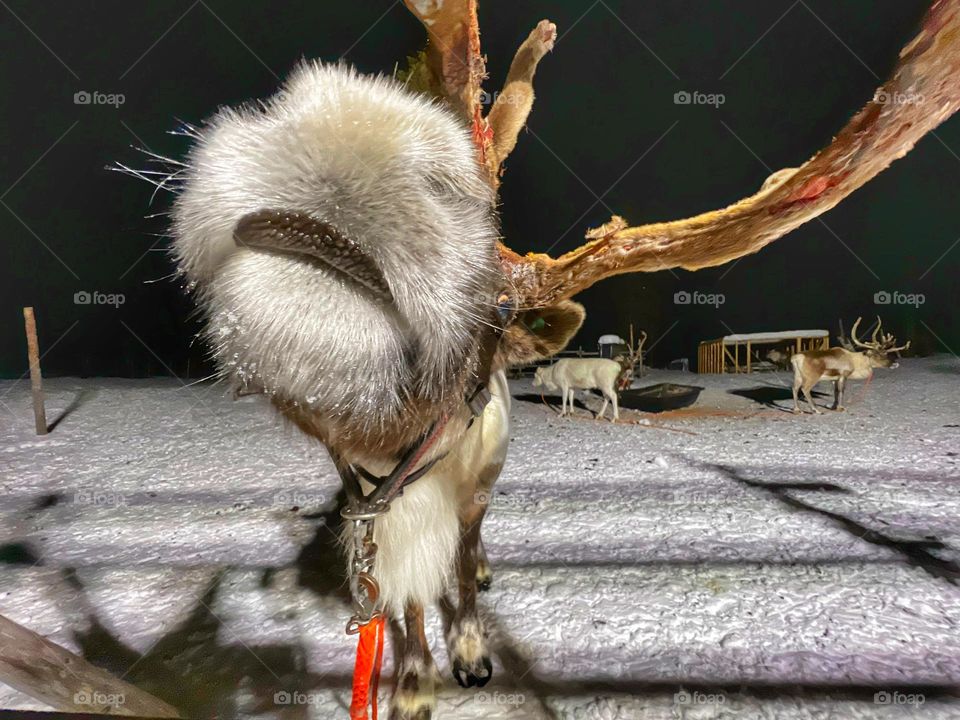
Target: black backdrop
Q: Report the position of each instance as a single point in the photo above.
(605, 136)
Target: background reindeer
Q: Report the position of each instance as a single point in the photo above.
(631, 364)
(342, 244)
(572, 374)
(840, 364)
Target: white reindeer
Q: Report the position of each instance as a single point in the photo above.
(582, 374)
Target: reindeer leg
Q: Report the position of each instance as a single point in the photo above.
(603, 408)
(616, 408)
(484, 571)
(466, 638)
(415, 696)
(806, 393)
(840, 385)
(797, 382)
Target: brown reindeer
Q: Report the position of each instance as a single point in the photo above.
(631, 364)
(343, 243)
(839, 365)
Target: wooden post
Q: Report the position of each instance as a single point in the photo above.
(36, 380)
(66, 682)
(749, 356)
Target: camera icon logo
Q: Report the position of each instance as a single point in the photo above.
(882, 298)
(682, 98)
(481, 498)
(82, 298)
(82, 97)
(682, 298)
(681, 698)
(882, 698)
(282, 698)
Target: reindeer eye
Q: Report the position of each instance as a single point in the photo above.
(504, 307)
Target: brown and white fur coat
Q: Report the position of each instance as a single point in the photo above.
(841, 364)
(341, 239)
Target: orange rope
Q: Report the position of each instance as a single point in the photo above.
(366, 671)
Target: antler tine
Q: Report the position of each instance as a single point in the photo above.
(853, 334)
(876, 331)
(899, 349)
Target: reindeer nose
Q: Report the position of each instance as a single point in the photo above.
(894, 366)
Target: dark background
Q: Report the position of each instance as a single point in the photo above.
(605, 136)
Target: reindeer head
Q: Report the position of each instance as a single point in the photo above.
(880, 347)
(342, 238)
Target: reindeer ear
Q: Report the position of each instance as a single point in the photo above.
(298, 233)
(538, 334)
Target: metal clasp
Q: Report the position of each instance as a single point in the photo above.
(364, 588)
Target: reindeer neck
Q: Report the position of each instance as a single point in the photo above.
(862, 369)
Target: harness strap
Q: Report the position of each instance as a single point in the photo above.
(368, 621)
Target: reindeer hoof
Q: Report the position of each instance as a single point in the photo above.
(484, 577)
(476, 674)
(468, 653)
(415, 697)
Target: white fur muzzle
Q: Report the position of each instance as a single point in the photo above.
(393, 172)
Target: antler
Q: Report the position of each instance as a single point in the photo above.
(872, 345)
(887, 341)
(456, 71)
(921, 93)
(884, 344)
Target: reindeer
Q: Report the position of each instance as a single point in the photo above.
(780, 357)
(572, 374)
(342, 243)
(350, 272)
(841, 364)
(632, 362)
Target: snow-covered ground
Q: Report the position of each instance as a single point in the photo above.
(749, 565)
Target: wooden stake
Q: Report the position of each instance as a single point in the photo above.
(36, 380)
(66, 682)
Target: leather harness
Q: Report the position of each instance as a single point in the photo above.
(362, 509)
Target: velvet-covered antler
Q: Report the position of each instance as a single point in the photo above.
(923, 91)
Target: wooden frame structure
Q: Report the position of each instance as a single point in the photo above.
(722, 355)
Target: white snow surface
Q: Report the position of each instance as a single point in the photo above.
(760, 565)
(775, 336)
